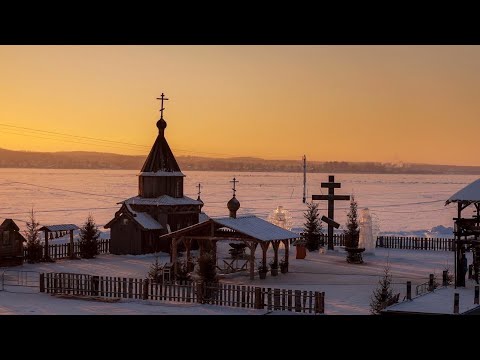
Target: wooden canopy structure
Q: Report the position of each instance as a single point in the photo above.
(466, 229)
(250, 229)
(58, 228)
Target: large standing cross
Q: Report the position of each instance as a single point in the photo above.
(331, 197)
(162, 98)
(234, 181)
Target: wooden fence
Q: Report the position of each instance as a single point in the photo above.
(400, 242)
(184, 292)
(61, 251)
(415, 243)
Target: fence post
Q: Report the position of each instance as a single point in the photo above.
(298, 306)
(409, 290)
(258, 298)
(430, 283)
(456, 301)
(42, 282)
(470, 271)
(475, 300)
(55, 283)
(445, 278)
(145, 289)
(319, 302)
(95, 282)
(199, 288)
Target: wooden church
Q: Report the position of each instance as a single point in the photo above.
(160, 206)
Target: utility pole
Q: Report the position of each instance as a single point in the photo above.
(304, 178)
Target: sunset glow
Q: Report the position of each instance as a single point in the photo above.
(332, 103)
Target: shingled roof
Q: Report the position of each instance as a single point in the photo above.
(160, 159)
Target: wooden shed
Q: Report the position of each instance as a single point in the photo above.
(11, 244)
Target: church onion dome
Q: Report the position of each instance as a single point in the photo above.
(233, 205)
(161, 124)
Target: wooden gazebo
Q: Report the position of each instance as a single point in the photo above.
(47, 229)
(467, 229)
(250, 229)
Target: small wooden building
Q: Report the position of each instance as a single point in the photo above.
(11, 244)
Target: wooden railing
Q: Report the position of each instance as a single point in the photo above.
(61, 251)
(400, 242)
(415, 243)
(184, 292)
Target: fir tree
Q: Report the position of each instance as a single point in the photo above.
(312, 227)
(155, 272)
(34, 247)
(208, 276)
(352, 233)
(383, 294)
(207, 268)
(88, 238)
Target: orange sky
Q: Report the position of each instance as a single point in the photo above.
(352, 103)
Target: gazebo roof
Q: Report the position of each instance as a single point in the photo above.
(249, 225)
(469, 194)
(61, 227)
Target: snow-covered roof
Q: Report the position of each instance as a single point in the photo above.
(439, 301)
(202, 217)
(161, 173)
(145, 220)
(249, 225)
(470, 193)
(161, 200)
(257, 228)
(62, 227)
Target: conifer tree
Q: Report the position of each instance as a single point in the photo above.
(89, 235)
(155, 272)
(352, 233)
(34, 247)
(312, 227)
(383, 294)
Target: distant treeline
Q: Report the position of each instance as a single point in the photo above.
(96, 160)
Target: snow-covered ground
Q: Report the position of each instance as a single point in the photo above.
(347, 287)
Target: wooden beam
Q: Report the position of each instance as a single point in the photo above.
(285, 242)
(188, 243)
(214, 248)
(330, 197)
(252, 246)
(174, 256)
(275, 245)
(330, 185)
(264, 246)
(330, 222)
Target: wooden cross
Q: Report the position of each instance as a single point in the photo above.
(331, 197)
(162, 98)
(234, 181)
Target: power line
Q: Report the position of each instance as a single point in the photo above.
(71, 191)
(111, 143)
